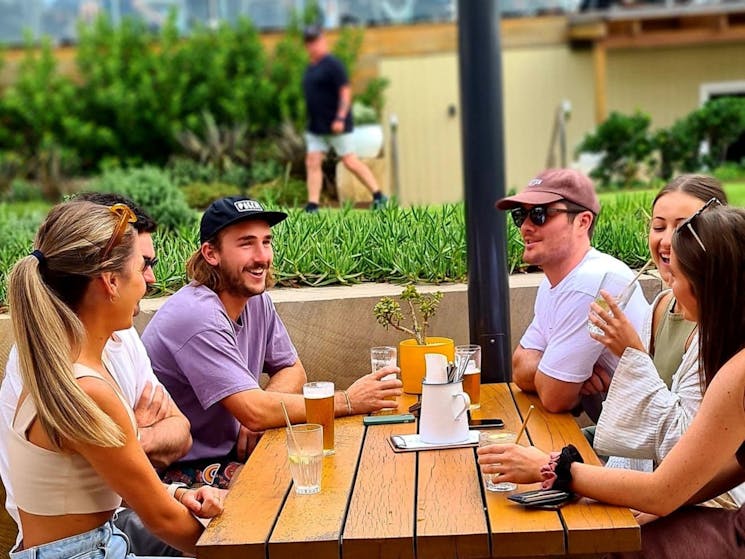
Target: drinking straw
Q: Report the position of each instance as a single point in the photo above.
(525, 422)
(289, 427)
(629, 289)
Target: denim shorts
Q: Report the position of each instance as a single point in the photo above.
(105, 541)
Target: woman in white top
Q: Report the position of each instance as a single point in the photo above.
(80, 284)
(656, 388)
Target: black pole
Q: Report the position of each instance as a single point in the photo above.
(483, 173)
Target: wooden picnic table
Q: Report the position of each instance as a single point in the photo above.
(375, 503)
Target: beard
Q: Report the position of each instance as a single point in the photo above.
(235, 284)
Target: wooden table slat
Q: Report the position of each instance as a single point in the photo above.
(319, 518)
(450, 519)
(380, 520)
(592, 527)
(255, 501)
(516, 531)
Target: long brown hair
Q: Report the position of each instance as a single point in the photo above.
(702, 187)
(44, 293)
(717, 277)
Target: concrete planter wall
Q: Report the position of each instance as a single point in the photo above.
(333, 328)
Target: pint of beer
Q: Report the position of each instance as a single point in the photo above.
(468, 358)
(319, 408)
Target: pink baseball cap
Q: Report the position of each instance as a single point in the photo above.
(553, 185)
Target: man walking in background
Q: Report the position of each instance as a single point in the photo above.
(328, 97)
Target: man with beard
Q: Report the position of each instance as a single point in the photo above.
(556, 215)
(211, 341)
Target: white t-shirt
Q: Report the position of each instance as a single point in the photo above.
(129, 365)
(559, 326)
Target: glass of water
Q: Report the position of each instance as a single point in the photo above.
(489, 438)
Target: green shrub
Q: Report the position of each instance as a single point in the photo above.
(153, 189)
(289, 193)
(626, 145)
(200, 195)
(730, 172)
(23, 191)
(183, 171)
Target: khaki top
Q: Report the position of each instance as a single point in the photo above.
(50, 483)
(670, 342)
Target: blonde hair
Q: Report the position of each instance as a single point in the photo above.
(44, 295)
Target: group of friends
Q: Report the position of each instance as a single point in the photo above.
(665, 383)
(91, 415)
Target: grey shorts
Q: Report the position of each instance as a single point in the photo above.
(343, 144)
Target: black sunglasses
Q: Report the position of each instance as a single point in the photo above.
(150, 262)
(688, 223)
(539, 214)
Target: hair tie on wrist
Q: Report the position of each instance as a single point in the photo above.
(36, 253)
(557, 474)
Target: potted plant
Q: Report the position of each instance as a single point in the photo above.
(421, 308)
(368, 132)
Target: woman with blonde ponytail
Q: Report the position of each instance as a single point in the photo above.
(73, 445)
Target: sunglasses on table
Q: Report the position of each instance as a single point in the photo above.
(687, 225)
(125, 216)
(539, 214)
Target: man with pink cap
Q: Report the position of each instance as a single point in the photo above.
(556, 215)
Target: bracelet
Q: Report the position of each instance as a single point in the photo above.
(341, 118)
(349, 402)
(181, 498)
(557, 474)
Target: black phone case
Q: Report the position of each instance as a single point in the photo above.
(542, 498)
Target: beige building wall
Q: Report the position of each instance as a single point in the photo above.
(535, 81)
(665, 82)
(421, 90)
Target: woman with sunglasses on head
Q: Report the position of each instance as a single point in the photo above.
(707, 272)
(73, 447)
(656, 388)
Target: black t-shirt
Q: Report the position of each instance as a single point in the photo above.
(321, 84)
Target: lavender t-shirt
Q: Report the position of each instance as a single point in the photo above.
(202, 356)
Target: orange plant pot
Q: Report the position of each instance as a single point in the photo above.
(411, 360)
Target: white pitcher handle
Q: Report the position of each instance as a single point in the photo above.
(466, 403)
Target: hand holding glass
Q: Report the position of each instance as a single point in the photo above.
(613, 284)
(488, 438)
(380, 357)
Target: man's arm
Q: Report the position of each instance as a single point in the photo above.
(289, 379)
(345, 100)
(524, 367)
(163, 431)
(556, 395)
(258, 409)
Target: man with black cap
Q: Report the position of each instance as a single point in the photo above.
(328, 97)
(556, 216)
(211, 341)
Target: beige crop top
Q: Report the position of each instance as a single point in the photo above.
(50, 483)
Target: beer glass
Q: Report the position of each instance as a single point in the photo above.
(471, 354)
(319, 408)
(384, 356)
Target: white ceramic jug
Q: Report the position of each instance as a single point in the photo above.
(443, 418)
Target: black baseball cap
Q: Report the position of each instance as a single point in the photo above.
(312, 32)
(233, 209)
